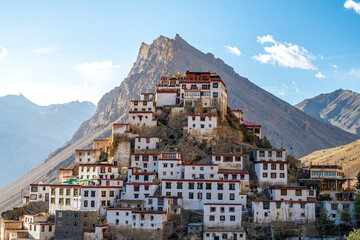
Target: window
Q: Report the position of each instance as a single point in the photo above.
(76, 192)
(199, 195)
(265, 166)
(281, 166)
(298, 193)
(215, 85)
(67, 201)
(232, 186)
(208, 186)
(92, 203)
(168, 185)
(334, 206)
(191, 185)
(53, 200)
(200, 186)
(208, 195)
(215, 94)
(232, 218)
(111, 193)
(273, 175)
(231, 209)
(191, 195)
(211, 218)
(213, 209)
(85, 203)
(273, 166)
(266, 205)
(220, 196)
(264, 175)
(179, 185)
(311, 192)
(278, 205)
(220, 186)
(165, 165)
(61, 192)
(232, 196)
(283, 192)
(179, 194)
(222, 218)
(282, 175)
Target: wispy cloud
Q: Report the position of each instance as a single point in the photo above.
(333, 65)
(319, 75)
(350, 4)
(98, 71)
(43, 50)
(284, 54)
(233, 50)
(3, 52)
(284, 85)
(265, 39)
(295, 86)
(354, 72)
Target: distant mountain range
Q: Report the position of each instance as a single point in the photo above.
(282, 123)
(347, 156)
(28, 132)
(340, 108)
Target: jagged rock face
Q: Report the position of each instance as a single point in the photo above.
(282, 123)
(340, 108)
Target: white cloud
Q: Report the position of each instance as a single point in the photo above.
(233, 50)
(295, 86)
(44, 50)
(319, 75)
(285, 54)
(284, 85)
(333, 65)
(3, 52)
(264, 39)
(354, 72)
(350, 4)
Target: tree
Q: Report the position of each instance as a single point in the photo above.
(354, 235)
(264, 143)
(358, 180)
(292, 162)
(345, 216)
(357, 209)
(324, 225)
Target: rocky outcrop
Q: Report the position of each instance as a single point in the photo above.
(282, 123)
(340, 108)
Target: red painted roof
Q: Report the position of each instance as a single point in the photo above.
(251, 124)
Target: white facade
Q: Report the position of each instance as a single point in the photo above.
(119, 129)
(228, 160)
(146, 161)
(142, 106)
(39, 192)
(291, 193)
(272, 155)
(243, 177)
(139, 191)
(222, 215)
(142, 143)
(41, 231)
(98, 171)
(196, 193)
(142, 119)
(170, 168)
(64, 197)
(272, 173)
(200, 171)
(165, 98)
(136, 175)
(269, 211)
(27, 219)
(86, 156)
(201, 125)
(335, 208)
(136, 219)
(211, 234)
(172, 205)
(99, 198)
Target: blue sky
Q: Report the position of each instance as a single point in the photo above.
(59, 51)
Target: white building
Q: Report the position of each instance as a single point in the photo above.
(270, 166)
(291, 193)
(222, 215)
(197, 192)
(233, 174)
(170, 165)
(86, 156)
(228, 160)
(200, 171)
(136, 219)
(142, 119)
(140, 185)
(265, 211)
(98, 171)
(334, 210)
(28, 218)
(211, 234)
(142, 143)
(41, 231)
(99, 198)
(201, 125)
(146, 161)
(142, 106)
(120, 129)
(147, 96)
(136, 175)
(165, 97)
(39, 192)
(64, 197)
(172, 205)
